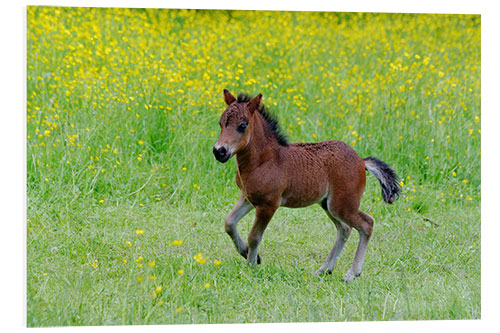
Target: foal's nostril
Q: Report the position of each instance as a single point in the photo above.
(222, 151)
(221, 154)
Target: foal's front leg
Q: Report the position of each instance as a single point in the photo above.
(241, 208)
(263, 215)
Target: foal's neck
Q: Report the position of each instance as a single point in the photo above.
(262, 147)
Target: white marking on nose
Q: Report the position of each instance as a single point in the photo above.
(229, 149)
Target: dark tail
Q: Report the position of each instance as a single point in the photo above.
(386, 176)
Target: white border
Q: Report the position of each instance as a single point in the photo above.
(13, 31)
(422, 6)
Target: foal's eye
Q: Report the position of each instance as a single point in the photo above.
(242, 128)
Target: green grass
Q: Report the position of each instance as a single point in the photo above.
(413, 270)
(122, 110)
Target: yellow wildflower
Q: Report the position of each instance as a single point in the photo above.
(199, 258)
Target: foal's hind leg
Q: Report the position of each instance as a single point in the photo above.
(241, 208)
(343, 232)
(364, 224)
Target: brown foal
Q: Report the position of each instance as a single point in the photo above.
(272, 173)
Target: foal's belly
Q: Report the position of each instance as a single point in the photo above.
(294, 203)
(297, 200)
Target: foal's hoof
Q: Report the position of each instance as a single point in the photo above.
(318, 272)
(349, 277)
(257, 262)
(245, 255)
(322, 271)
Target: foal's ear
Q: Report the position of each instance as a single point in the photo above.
(228, 98)
(254, 103)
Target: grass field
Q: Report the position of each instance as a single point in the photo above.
(126, 201)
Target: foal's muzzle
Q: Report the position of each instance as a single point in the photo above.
(221, 154)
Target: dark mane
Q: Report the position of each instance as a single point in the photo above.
(271, 119)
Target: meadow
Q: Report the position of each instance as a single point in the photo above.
(126, 203)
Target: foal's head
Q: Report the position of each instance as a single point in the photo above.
(236, 126)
